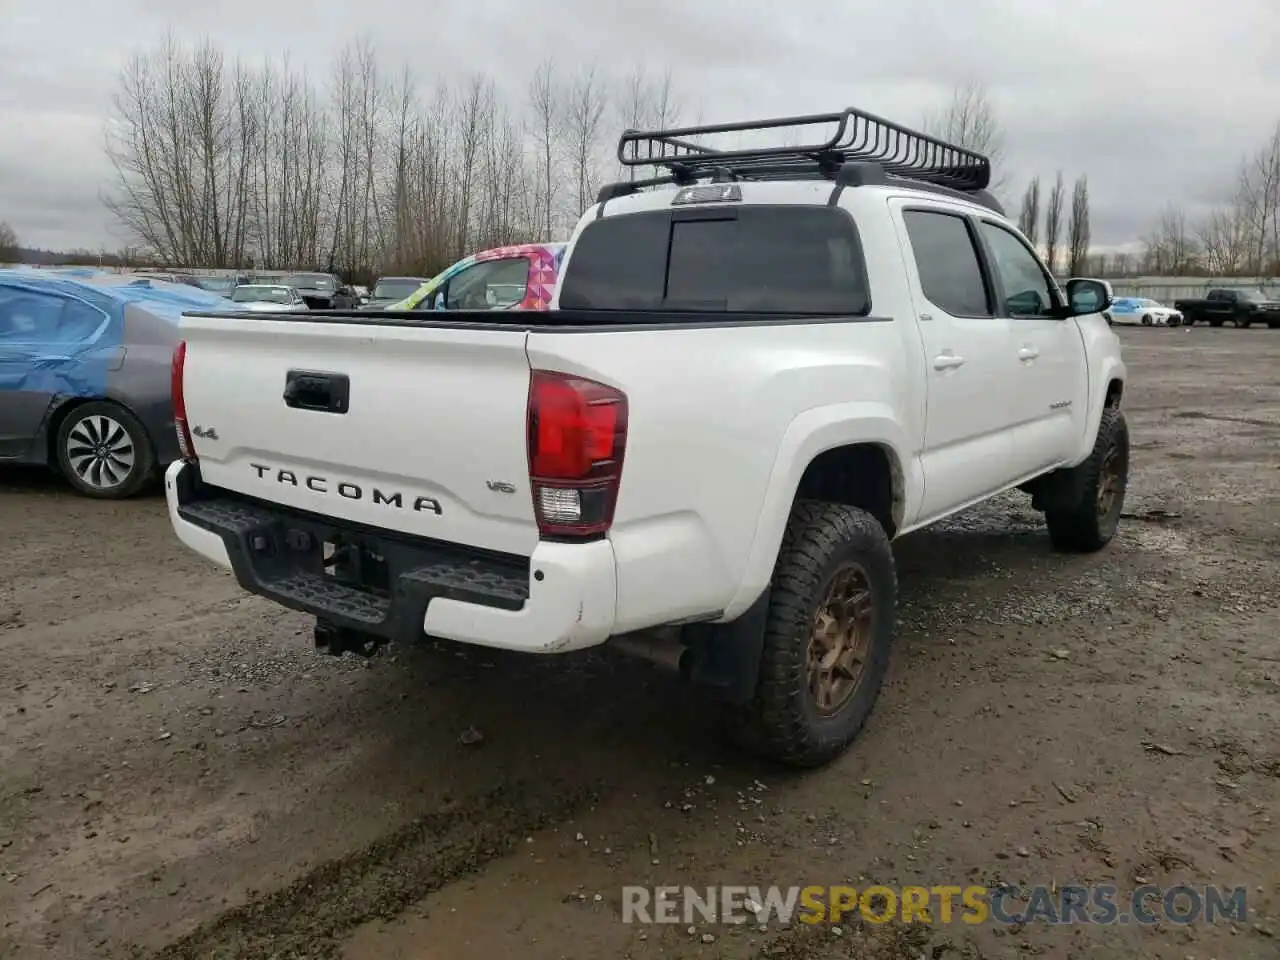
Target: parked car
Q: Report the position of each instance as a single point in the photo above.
(85, 373)
(1241, 307)
(186, 279)
(742, 392)
(221, 285)
(518, 277)
(316, 289)
(1149, 313)
(268, 298)
(389, 290)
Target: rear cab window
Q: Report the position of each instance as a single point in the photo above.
(793, 260)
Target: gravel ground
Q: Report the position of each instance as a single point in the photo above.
(184, 778)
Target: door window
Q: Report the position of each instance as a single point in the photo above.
(489, 285)
(947, 261)
(1027, 291)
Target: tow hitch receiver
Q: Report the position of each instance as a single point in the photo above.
(336, 641)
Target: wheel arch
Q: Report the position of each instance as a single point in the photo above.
(854, 454)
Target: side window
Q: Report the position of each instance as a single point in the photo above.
(80, 322)
(27, 317)
(489, 285)
(1027, 292)
(950, 273)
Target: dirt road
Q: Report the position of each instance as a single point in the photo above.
(181, 776)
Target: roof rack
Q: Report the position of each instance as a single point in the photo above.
(859, 137)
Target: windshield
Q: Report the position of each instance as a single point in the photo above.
(395, 288)
(261, 295)
(310, 281)
(217, 284)
(1148, 303)
(1252, 296)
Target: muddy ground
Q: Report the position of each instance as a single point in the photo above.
(181, 776)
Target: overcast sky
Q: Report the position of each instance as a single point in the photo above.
(1156, 100)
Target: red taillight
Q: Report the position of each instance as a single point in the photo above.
(577, 434)
(186, 447)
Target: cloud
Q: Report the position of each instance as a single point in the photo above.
(1155, 103)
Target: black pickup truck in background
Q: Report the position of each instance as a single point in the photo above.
(317, 290)
(1241, 307)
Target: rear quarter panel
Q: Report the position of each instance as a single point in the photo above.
(143, 381)
(724, 420)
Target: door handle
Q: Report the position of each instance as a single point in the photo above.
(947, 361)
(310, 390)
(1028, 353)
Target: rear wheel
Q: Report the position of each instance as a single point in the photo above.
(1090, 522)
(104, 451)
(827, 637)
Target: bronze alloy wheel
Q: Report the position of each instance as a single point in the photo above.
(841, 639)
(1108, 483)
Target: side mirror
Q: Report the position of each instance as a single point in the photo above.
(1088, 296)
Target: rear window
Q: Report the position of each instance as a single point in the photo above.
(756, 259)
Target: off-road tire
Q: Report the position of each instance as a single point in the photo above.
(142, 469)
(782, 722)
(1080, 527)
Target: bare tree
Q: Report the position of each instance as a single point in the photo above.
(969, 120)
(1170, 249)
(546, 123)
(1078, 227)
(1029, 218)
(228, 164)
(582, 129)
(1226, 241)
(1259, 198)
(10, 251)
(1053, 223)
(645, 103)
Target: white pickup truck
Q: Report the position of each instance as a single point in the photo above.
(760, 367)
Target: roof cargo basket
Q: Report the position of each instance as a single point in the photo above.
(859, 137)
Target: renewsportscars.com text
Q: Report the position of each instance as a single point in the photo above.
(1067, 904)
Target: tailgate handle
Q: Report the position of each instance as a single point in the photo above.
(313, 390)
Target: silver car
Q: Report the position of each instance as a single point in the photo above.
(267, 298)
(85, 368)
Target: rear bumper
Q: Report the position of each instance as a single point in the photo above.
(561, 598)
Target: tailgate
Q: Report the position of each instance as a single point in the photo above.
(410, 428)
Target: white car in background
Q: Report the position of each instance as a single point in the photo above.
(1149, 313)
(267, 298)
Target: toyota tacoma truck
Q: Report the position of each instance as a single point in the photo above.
(760, 366)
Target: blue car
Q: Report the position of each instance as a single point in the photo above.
(85, 365)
